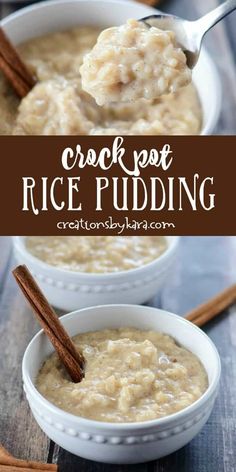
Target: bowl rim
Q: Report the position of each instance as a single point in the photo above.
(214, 114)
(141, 425)
(49, 3)
(172, 243)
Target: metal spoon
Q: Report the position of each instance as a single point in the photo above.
(189, 34)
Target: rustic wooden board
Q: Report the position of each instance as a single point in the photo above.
(19, 433)
(205, 265)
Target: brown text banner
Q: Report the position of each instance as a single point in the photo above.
(113, 185)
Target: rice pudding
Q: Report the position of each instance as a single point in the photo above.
(57, 105)
(134, 61)
(96, 254)
(130, 375)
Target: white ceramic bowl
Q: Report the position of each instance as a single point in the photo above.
(123, 442)
(56, 15)
(70, 290)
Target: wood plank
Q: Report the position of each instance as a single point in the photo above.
(207, 265)
(5, 254)
(69, 462)
(204, 267)
(19, 432)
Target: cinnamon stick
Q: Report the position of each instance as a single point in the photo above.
(12, 468)
(10, 463)
(72, 358)
(213, 307)
(14, 68)
(18, 84)
(149, 2)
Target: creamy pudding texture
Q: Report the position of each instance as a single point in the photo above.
(57, 105)
(96, 254)
(134, 61)
(130, 376)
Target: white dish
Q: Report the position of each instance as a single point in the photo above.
(123, 442)
(69, 290)
(56, 15)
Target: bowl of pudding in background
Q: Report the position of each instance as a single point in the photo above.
(60, 15)
(124, 442)
(71, 289)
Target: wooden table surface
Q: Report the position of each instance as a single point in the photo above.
(205, 266)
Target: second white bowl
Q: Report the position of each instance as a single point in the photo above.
(70, 290)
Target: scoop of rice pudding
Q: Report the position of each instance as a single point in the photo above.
(57, 105)
(96, 254)
(130, 376)
(134, 61)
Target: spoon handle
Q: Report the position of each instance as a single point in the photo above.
(214, 16)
